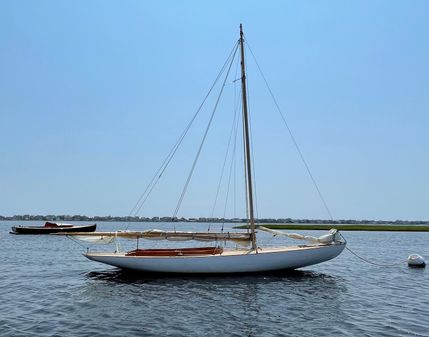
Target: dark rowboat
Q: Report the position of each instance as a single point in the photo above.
(52, 227)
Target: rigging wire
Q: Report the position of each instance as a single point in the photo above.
(224, 163)
(233, 127)
(144, 196)
(235, 160)
(234, 213)
(291, 135)
(204, 138)
(236, 102)
(229, 179)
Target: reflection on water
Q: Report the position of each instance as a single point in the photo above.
(248, 305)
(130, 276)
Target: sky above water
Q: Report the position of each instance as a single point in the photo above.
(93, 95)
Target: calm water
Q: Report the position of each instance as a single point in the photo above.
(47, 288)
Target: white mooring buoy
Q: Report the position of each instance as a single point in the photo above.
(415, 260)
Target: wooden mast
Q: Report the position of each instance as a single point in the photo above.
(248, 162)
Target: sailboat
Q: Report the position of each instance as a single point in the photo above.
(246, 257)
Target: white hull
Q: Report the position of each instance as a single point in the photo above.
(230, 261)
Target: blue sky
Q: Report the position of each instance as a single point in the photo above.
(94, 93)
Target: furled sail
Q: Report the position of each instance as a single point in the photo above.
(332, 236)
(155, 234)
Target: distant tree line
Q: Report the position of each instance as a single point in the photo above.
(28, 217)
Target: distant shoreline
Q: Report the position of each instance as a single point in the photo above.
(204, 220)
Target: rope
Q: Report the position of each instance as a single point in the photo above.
(234, 131)
(233, 166)
(203, 139)
(77, 242)
(308, 168)
(144, 196)
(370, 262)
(224, 163)
(374, 263)
(292, 136)
(237, 102)
(229, 182)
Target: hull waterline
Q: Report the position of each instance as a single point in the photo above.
(233, 261)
